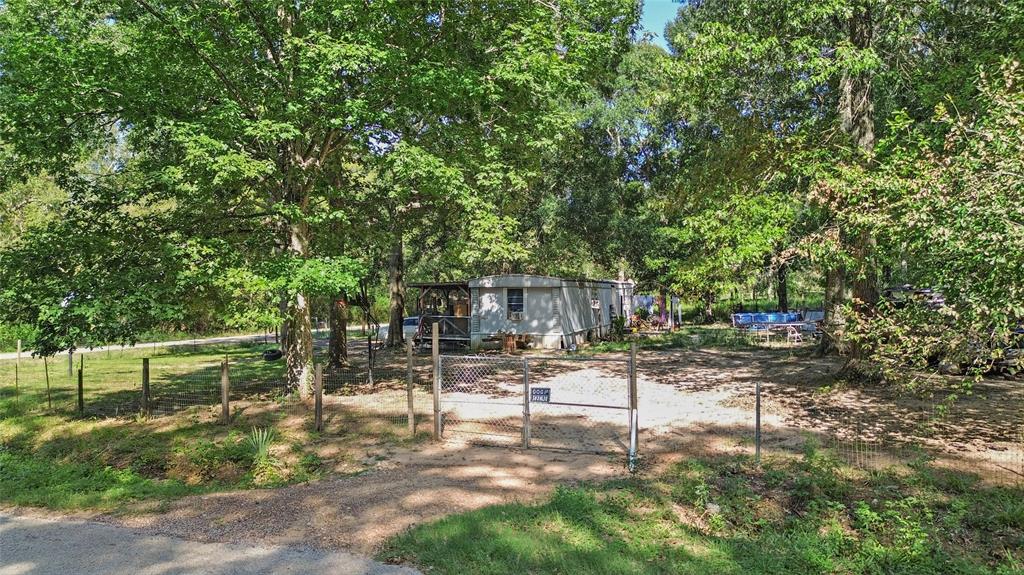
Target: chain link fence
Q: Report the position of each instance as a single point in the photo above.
(579, 404)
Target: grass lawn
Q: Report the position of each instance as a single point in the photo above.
(721, 516)
(112, 380)
(54, 458)
(123, 464)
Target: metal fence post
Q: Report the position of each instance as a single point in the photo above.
(757, 422)
(146, 407)
(81, 393)
(225, 393)
(318, 397)
(633, 411)
(71, 363)
(526, 404)
(436, 350)
(408, 387)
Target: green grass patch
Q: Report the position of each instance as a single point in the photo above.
(721, 516)
(112, 380)
(29, 480)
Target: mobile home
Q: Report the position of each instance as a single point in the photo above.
(539, 311)
(545, 312)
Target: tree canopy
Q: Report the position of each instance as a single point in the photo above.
(243, 162)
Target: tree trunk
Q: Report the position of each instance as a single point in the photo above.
(709, 306)
(837, 294)
(782, 286)
(338, 344)
(396, 287)
(299, 342)
(856, 111)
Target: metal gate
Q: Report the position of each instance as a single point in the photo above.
(579, 404)
(480, 399)
(552, 402)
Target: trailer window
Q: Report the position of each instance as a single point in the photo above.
(515, 300)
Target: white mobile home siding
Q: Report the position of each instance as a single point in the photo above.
(556, 312)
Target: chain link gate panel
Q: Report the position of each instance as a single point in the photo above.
(579, 404)
(574, 404)
(481, 399)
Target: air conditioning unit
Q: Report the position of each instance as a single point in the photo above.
(515, 315)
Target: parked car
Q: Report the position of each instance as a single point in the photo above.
(901, 296)
(410, 326)
(1012, 362)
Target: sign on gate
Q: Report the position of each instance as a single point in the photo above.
(540, 395)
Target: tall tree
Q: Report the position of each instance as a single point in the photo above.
(240, 112)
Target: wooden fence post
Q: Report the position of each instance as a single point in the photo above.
(757, 422)
(17, 369)
(436, 351)
(46, 372)
(147, 408)
(81, 393)
(318, 397)
(225, 393)
(408, 387)
(633, 412)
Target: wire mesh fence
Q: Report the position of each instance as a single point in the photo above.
(174, 386)
(393, 393)
(976, 437)
(173, 389)
(915, 432)
(33, 384)
(110, 384)
(38, 385)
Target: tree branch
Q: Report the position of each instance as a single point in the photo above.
(228, 84)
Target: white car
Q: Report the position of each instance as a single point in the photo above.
(410, 326)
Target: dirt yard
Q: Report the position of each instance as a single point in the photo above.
(691, 402)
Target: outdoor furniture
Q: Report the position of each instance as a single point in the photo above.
(760, 333)
(793, 335)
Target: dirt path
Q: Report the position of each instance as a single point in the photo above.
(359, 513)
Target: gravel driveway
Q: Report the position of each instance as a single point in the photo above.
(35, 546)
(360, 513)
